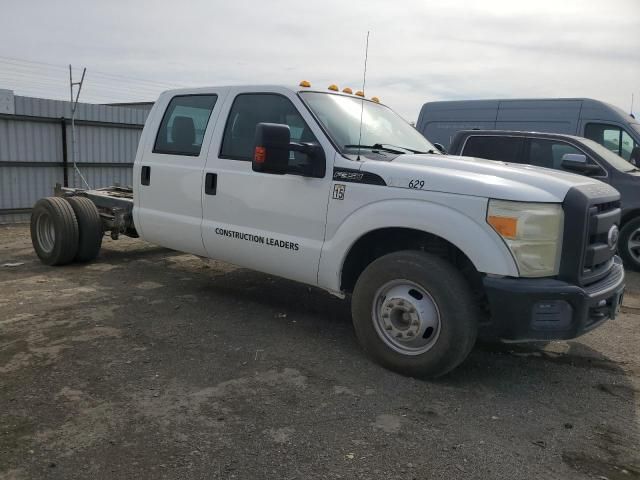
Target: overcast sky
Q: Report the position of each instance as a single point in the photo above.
(418, 50)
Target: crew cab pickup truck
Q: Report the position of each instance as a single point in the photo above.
(337, 191)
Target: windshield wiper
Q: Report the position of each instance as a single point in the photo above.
(385, 147)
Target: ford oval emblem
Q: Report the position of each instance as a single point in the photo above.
(612, 237)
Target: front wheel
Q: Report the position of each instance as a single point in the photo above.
(414, 313)
(629, 244)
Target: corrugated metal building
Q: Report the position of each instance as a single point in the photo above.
(35, 148)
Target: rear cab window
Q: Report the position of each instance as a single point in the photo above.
(506, 149)
(184, 124)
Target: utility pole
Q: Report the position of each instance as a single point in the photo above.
(74, 104)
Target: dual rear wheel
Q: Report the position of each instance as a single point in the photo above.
(66, 229)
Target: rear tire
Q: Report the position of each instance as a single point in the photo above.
(54, 231)
(90, 228)
(629, 244)
(414, 313)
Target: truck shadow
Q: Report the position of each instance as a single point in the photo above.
(576, 390)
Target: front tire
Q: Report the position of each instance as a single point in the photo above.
(414, 313)
(629, 244)
(54, 231)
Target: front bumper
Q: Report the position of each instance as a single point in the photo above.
(549, 309)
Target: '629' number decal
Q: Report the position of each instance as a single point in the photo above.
(416, 184)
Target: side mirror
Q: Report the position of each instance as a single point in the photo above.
(577, 162)
(440, 148)
(271, 148)
(271, 152)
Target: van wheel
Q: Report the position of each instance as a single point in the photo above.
(414, 313)
(90, 228)
(629, 244)
(54, 231)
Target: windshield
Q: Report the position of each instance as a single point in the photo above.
(381, 126)
(614, 160)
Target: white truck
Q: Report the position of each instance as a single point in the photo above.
(337, 191)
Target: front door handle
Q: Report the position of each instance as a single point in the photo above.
(210, 183)
(145, 175)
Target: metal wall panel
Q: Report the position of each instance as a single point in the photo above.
(41, 140)
(104, 144)
(30, 141)
(42, 107)
(21, 187)
(98, 177)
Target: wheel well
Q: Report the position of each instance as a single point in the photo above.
(387, 240)
(627, 217)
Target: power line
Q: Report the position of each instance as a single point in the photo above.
(94, 73)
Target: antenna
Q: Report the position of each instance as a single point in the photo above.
(631, 111)
(364, 81)
(74, 105)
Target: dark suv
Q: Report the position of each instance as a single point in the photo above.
(571, 154)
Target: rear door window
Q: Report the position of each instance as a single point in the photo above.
(184, 124)
(507, 149)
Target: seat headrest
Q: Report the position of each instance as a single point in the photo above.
(183, 132)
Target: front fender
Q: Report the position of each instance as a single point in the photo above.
(457, 222)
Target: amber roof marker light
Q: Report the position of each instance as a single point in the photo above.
(333, 87)
(305, 83)
(347, 90)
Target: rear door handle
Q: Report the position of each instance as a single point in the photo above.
(210, 183)
(145, 175)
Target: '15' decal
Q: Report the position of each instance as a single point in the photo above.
(416, 184)
(338, 191)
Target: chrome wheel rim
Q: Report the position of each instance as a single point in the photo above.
(406, 317)
(633, 245)
(46, 233)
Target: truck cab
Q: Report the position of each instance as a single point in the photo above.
(336, 190)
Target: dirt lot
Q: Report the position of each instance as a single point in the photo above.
(148, 363)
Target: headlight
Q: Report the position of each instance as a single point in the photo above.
(533, 233)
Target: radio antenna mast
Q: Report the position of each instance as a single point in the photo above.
(74, 105)
(364, 81)
(631, 111)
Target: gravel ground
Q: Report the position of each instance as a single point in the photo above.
(149, 363)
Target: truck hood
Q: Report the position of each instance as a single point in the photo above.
(479, 177)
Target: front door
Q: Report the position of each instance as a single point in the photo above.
(169, 176)
(272, 223)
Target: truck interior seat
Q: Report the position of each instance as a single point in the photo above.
(183, 132)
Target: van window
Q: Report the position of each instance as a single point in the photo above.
(507, 149)
(549, 153)
(183, 125)
(247, 111)
(612, 137)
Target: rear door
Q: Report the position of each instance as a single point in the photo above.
(272, 223)
(169, 175)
